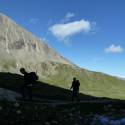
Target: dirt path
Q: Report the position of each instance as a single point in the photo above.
(62, 102)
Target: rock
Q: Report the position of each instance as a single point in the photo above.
(8, 95)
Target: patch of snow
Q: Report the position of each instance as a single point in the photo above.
(105, 120)
(8, 95)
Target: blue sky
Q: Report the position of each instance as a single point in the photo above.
(90, 33)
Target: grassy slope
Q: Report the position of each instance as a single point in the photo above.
(40, 89)
(92, 83)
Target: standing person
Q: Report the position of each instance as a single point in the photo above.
(29, 80)
(75, 89)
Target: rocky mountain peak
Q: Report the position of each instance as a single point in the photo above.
(19, 46)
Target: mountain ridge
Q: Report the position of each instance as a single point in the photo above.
(17, 38)
(19, 48)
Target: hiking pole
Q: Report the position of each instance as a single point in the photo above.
(36, 69)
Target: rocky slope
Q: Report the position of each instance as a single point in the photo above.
(20, 48)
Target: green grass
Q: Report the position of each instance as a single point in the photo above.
(43, 90)
(92, 83)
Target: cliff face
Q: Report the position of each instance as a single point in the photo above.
(20, 48)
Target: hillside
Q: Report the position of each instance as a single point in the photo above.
(19, 48)
(92, 83)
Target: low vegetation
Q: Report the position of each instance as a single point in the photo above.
(23, 113)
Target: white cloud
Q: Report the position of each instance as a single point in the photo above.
(65, 30)
(114, 49)
(67, 17)
(34, 21)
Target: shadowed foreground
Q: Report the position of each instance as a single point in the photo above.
(90, 111)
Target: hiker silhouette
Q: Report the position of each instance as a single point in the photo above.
(29, 79)
(75, 89)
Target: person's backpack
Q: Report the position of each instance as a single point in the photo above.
(32, 77)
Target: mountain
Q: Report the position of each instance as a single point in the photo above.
(20, 48)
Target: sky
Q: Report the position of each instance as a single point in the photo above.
(90, 33)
